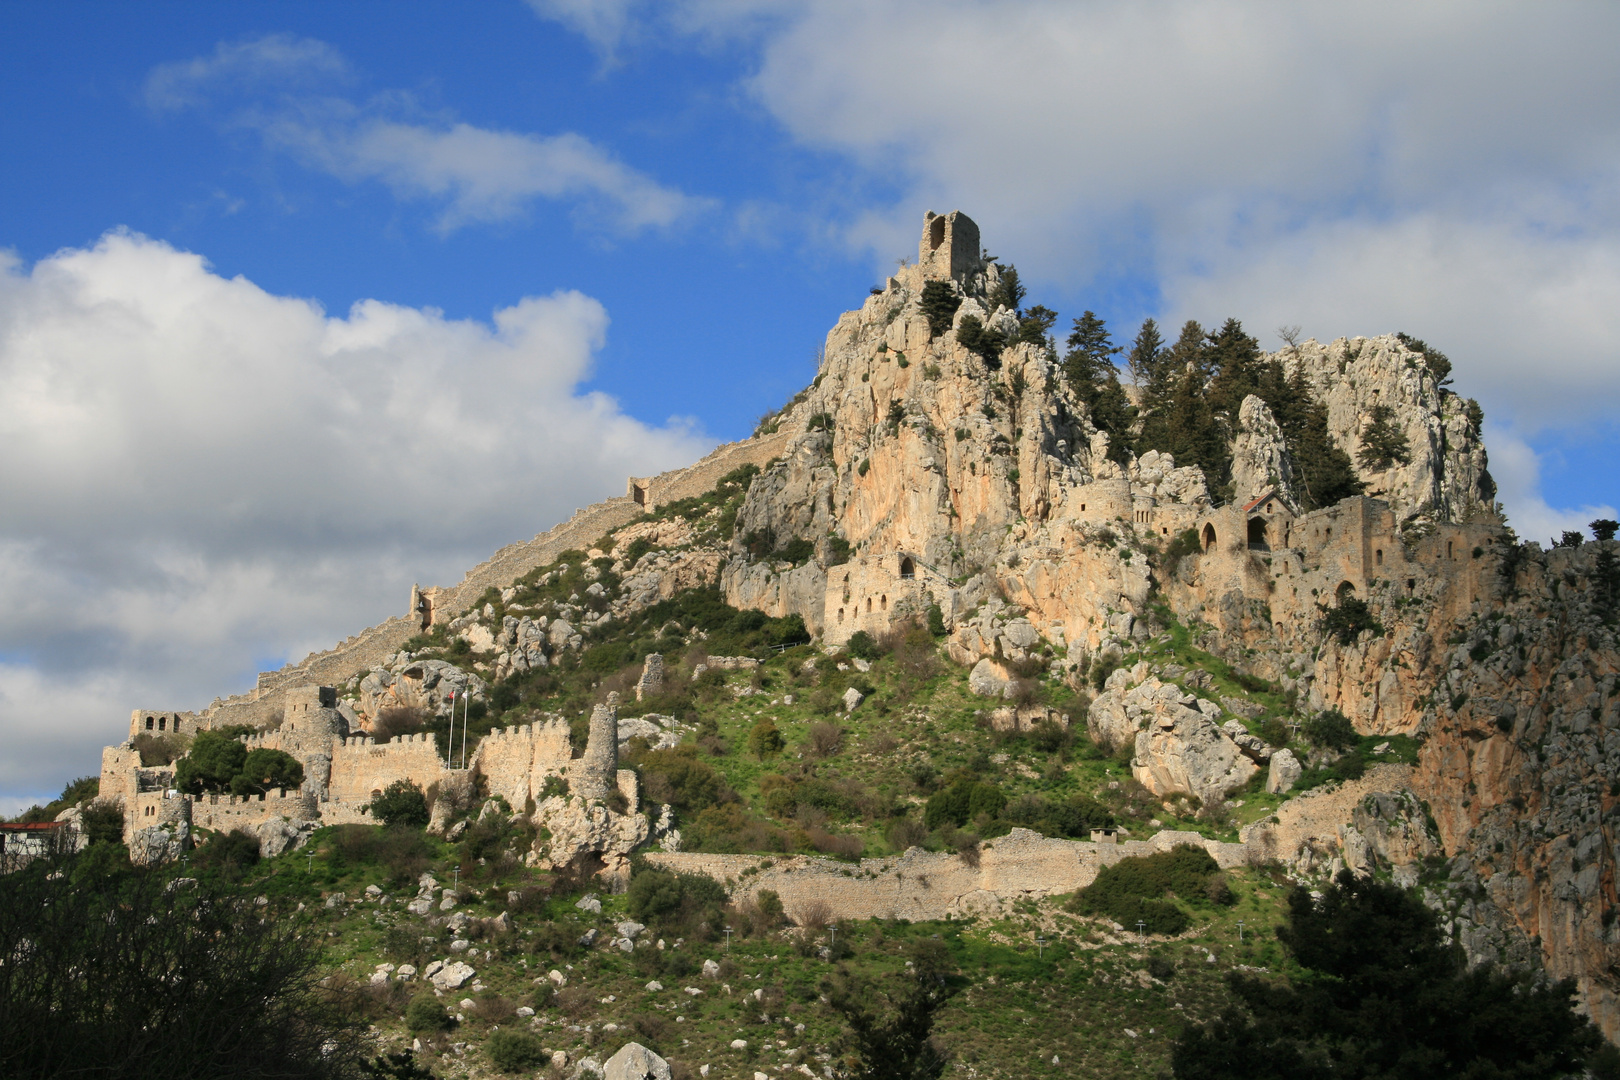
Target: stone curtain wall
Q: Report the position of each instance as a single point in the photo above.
(515, 761)
(222, 813)
(923, 885)
(361, 766)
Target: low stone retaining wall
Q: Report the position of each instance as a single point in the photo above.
(922, 885)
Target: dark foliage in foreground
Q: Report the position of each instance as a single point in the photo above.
(1385, 996)
(117, 972)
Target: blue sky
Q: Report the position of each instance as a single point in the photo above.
(302, 303)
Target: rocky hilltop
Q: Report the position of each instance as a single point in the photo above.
(947, 470)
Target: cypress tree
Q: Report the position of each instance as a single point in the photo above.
(1035, 327)
(1322, 472)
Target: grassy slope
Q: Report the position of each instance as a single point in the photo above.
(1089, 1002)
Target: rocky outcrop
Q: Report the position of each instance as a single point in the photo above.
(1260, 459)
(426, 684)
(1445, 477)
(1179, 749)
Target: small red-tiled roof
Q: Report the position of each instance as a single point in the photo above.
(30, 826)
(1262, 497)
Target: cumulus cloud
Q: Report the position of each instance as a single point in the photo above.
(1518, 478)
(1448, 169)
(476, 174)
(203, 478)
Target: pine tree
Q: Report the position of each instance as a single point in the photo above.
(1092, 376)
(1035, 327)
(1234, 357)
(1009, 292)
(1090, 349)
(1146, 351)
(1322, 472)
(939, 304)
(1383, 444)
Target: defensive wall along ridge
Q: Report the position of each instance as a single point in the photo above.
(924, 885)
(367, 649)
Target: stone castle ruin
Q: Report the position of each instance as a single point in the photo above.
(924, 474)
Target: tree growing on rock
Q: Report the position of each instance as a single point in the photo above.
(939, 304)
(1383, 444)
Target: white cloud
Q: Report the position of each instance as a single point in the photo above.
(476, 174)
(1530, 319)
(1518, 479)
(279, 60)
(1450, 169)
(201, 476)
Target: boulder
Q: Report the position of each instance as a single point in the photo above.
(990, 679)
(852, 698)
(451, 976)
(1284, 773)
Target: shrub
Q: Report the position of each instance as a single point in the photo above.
(401, 803)
(515, 1051)
(1331, 729)
(214, 761)
(1133, 889)
(677, 776)
(1049, 737)
(936, 621)
(230, 853)
(424, 1013)
(1347, 619)
(263, 769)
(863, 646)
(103, 823)
(962, 802)
(129, 973)
(399, 720)
(797, 551)
(765, 740)
(156, 750)
(1274, 731)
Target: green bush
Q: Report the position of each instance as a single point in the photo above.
(765, 740)
(677, 776)
(1075, 817)
(1332, 730)
(214, 761)
(401, 803)
(264, 769)
(962, 802)
(1346, 620)
(1134, 889)
(230, 853)
(863, 646)
(102, 823)
(515, 1051)
(939, 304)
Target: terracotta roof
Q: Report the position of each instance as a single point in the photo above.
(31, 826)
(1262, 497)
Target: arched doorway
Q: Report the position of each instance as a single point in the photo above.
(1258, 540)
(1209, 538)
(908, 569)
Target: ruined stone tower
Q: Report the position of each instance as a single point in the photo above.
(949, 247)
(596, 772)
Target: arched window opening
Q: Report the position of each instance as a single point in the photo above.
(908, 569)
(1209, 538)
(1257, 535)
(869, 605)
(150, 723)
(1378, 557)
(884, 603)
(1345, 589)
(840, 614)
(162, 720)
(936, 233)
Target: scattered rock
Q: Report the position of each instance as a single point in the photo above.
(635, 1062)
(1284, 772)
(451, 976)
